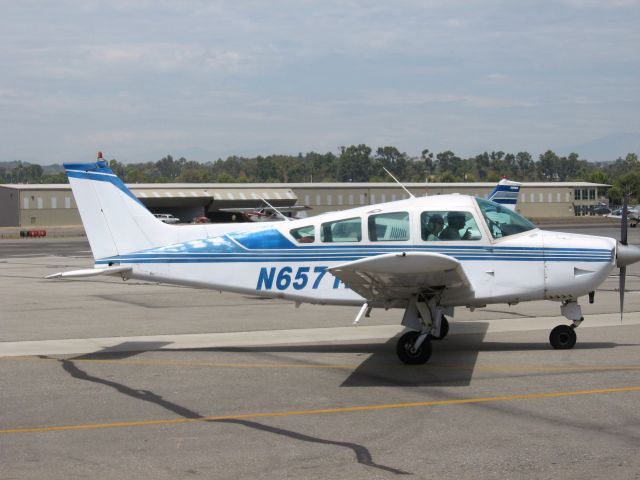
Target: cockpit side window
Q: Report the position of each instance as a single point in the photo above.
(347, 230)
(448, 225)
(304, 234)
(389, 227)
(502, 221)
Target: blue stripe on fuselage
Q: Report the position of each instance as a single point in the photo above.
(271, 246)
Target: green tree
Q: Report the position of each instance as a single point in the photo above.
(547, 166)
(354, 163)
(391, 159)
(525, 164)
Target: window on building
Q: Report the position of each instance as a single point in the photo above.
(25, 203)
(340, 199)
(592, 194)
(329, 199)
(576, 194)
(585, 193)
(389, 227)
(54, 202)
(40, 202)
(67, 202)
(347, 230)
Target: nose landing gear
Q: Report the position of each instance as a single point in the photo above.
(563, 337)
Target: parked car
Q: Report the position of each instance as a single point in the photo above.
(166, 218)
(602, 210)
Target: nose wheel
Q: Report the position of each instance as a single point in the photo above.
(412, 351)
(563, 337)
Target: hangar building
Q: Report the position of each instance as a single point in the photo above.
(53, 205)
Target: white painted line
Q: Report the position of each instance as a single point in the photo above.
(286, 337)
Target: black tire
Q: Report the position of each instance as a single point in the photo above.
(444, 329)
(562, 337)
(404, 349)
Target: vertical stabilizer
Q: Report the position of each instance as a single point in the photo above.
(115, 221)
(506, 193)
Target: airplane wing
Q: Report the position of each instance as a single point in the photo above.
(401, 275)
(91, 272)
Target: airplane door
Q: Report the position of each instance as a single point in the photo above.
(519, 268)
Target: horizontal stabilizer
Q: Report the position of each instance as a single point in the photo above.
(91, 272)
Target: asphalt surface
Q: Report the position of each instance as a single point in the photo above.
(111, 379)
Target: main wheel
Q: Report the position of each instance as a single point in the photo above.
(410, 355)
(444, 329)
(562, 337)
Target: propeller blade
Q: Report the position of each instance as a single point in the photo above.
(624, 220)
(623, 275)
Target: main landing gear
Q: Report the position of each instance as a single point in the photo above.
(414, 347)
(563, 337)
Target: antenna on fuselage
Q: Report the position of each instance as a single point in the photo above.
(398, 182)
(284, 217)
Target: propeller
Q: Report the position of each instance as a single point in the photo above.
(623, 240)
(626, 254)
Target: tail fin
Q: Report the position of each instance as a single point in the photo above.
(505, 193)
(115, 221)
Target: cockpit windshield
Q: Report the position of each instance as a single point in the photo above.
(502, 221)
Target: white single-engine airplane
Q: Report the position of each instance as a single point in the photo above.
(424, 255)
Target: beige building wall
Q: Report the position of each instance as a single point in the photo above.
(53, 205)
(41, 208)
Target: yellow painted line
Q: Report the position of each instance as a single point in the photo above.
(542, 369)
(293, 413)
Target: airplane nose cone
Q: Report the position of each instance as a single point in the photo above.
(627, 254)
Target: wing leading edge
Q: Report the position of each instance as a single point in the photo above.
(399, 276)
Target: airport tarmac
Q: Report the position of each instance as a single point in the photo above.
(110, 379)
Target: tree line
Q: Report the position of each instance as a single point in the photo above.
(359, 163)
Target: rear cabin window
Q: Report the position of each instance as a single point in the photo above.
(347, 230)
(448, 226)
(304, 234)
(389, 227)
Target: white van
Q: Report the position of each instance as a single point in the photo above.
(166, 218)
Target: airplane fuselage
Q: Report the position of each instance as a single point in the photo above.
(272, 260)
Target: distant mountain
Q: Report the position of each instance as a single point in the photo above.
(607, 148)
(10, 165)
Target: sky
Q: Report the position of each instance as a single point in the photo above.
(208, 79)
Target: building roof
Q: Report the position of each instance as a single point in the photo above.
(270, 186)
